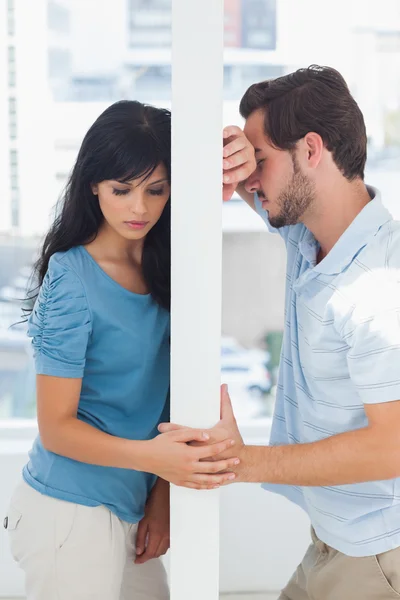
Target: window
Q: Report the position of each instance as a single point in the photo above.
(259, 24)
(12, 106)
(14, 172)
(149, 23)
(12, 128)
(11, 66)
(14, 181)
(10, 18)
(12, 118)
(15, 210)
(59, 63)
(11, 55)
(13, 158)
(12, 80)
(388, 41)
(58, 17)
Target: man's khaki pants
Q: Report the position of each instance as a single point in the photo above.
(326, 574)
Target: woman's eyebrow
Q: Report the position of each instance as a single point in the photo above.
(158, 181)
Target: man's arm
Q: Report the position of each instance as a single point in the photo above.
(368, 454)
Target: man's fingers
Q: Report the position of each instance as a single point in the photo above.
(237, 159)
(235, 176)
(217, 434)
(235, 146)
(231, 130)
(226, 404)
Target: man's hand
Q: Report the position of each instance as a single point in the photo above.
(152, 540)
(226, 428)
(170, 456)
(239, 160)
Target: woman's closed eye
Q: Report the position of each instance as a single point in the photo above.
(119, 192)
(152, 192)
(157, 192)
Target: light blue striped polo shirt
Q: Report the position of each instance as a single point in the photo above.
(341, 349)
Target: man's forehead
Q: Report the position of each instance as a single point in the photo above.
(257, 138)
(254, 126)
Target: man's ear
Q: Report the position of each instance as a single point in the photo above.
(313, 147)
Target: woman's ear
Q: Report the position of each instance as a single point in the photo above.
(95, 189)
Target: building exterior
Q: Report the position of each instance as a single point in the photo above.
(34, 54)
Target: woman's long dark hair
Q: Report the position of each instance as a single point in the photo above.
(127, 141)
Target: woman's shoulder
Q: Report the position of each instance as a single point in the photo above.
(62, 295)
(67, 264)
(60, 323)
(64, 275)
(64, 260)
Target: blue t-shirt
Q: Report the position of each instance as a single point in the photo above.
(85, 325)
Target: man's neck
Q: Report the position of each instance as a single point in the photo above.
(334, 211)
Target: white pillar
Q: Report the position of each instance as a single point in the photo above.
(197, 84)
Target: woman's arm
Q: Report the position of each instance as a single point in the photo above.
(63, 433)
(168, 455)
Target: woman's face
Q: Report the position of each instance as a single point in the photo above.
(131, 209)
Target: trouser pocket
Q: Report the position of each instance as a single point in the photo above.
(11, 524)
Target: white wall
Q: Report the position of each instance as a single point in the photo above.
(263, 536)
(5, 212)
(253, 283)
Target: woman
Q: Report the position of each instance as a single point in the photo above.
(93, 507)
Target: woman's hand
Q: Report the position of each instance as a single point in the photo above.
(170, 457)
(152, 540)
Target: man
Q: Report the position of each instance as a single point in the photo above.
(335, 441)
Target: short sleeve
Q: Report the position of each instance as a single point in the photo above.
(283, 231)
(60, 323)
(374, 355)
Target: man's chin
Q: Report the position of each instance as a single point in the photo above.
(276, 222)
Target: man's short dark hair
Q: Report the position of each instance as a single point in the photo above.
(315, 99)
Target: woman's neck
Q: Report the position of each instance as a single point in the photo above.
(109, 245)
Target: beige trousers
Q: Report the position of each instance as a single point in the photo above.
(326, 574)
(74, 552)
